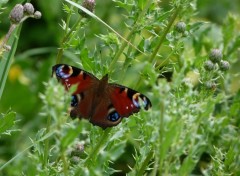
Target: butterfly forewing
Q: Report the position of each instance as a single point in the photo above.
(128, 101)
(70, 75)
(85, 83)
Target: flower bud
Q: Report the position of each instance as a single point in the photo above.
(37, 15)
(180, 27)
(88, 4)
(224, 65)
(211, 85)
(78, 151)
(75, 160)
(28, 9)
(208, 65)
(215, 55)
(16, 14)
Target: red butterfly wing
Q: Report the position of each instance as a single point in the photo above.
(127, 101)
(115, 102)
(70, 75)
(101, 103)
(81, 99)
(105, 114)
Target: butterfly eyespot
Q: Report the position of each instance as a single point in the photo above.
(113, 102)
(114, 116)
(140, 100)
(76, 99)
(146, 103)
(135, 100)
(64, 71)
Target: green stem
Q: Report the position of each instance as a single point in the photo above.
(134, 28)
(161, 134)
(165, 32)
(66, 37)
(156, 162)
(145, 164)
(161, 41)
(6, 60)
(11, 29)
(127, 60)
(46, 143)
(65, 164)
(91, 157)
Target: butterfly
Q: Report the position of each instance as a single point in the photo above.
(103, 104)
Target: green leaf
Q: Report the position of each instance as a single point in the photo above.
(6, 60)
(2, 2)
(7, 121)
(70, 136)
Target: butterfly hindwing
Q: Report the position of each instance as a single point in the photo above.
(117, 102)
(105, 115)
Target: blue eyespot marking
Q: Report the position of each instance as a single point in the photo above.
(143, 102)
(135, 102)
(114, 116)
(60, 72)
(74, 101)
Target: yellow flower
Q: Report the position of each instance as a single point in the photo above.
(16, 73)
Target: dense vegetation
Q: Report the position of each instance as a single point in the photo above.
(184, 55)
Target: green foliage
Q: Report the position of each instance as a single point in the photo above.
(7, 121)
(193, 126)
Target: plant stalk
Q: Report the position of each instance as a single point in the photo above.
(124, 44)
(165, 32)
(98, 147)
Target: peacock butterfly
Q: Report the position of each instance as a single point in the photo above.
(103, 104)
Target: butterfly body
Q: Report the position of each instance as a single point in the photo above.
(103, 104)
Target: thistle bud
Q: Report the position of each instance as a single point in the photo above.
(28, 9)
(88, 4)
(37, 15)
(208, 65)
(224, 65)
(75, 160)
(16, 14)
(211, 85)
(215, 55)
(180, 27)
(78, 151)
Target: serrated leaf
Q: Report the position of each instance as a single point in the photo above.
(7, 121)
(70, 136)
(141, 4)
(117, 150)
(124, 5)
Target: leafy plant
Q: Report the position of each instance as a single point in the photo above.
(187, 67)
